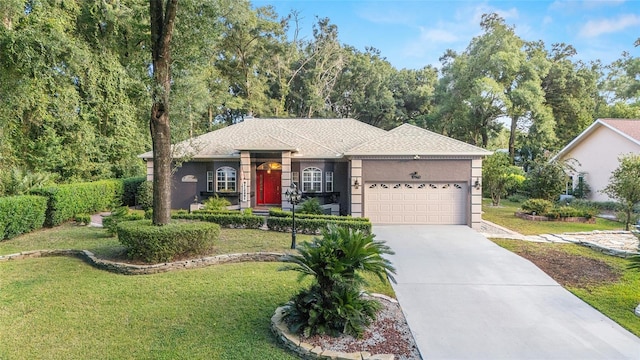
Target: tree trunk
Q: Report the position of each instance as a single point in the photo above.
(512, 139)
(162, 24)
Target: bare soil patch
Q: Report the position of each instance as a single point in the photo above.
(571, 270)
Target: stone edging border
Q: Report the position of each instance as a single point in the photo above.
(603, 249)
(133, 269)
(310, 352)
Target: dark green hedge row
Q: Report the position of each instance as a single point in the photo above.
(314, 226)
(21, 214)
(228, 212)
(282, 213)
(130, 189)
(65, 201)
(236, 220)
(153, 244)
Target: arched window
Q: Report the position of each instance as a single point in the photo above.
(311, 180)
(226, 179)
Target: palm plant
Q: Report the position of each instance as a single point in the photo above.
(334, 303)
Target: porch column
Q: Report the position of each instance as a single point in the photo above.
(476, 194)
(356, 194)
(245, 180)
(285, 179)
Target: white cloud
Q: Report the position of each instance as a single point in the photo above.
(595, 28)
(583, 5)
(547, 20)
(437, 35)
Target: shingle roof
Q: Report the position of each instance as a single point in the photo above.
(408, 139)
(628, 128)
(320, 138)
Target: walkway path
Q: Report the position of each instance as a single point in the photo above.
(618, 243)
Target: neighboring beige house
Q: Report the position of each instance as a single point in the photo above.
(407, 175)
(597, 150)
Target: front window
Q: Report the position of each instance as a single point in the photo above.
(209, 181)
(226, 179)
(328, 179)
(311, 180)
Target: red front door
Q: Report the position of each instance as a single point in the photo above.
(269, 187)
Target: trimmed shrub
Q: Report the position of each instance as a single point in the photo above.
(21, 214)
(153, 244)
(66, 201)
(236, 220)
(84, 219)
(144, 196)
(130, 188)
(315, 226)
(219, 212)
(600, 205)
(282, 213)
(110, 223)
(537, 206)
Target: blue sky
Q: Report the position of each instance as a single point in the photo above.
(415, 33)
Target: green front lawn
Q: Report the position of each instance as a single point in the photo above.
(61, 307)
(615, 299)
(504, 215)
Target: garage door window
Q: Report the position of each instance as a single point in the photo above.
(311, 180)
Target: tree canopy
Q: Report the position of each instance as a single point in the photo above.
(76, 83)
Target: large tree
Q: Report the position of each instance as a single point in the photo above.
(624, 185)
(163, 15)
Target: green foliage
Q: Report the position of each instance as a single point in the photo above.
(21, 214)
(310, 206)
(281, 213)
(130, 189)
(499, 177)
(316, 225)
(333, 304)
(601, 205)
(558, 212)
(624, 185)
(546, 179)
(120, 214)
(19, 182)
(152, 244)
(537, 206)
(144, 195)
(216, 203)
(517, 198)
(582, 189)
(66, 201)
(84, 219)
(234, 220)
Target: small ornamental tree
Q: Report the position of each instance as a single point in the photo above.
(624, 185)
(334, 304)
(546, 178)
(498, 176)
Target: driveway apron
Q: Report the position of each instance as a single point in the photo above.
(466, 298)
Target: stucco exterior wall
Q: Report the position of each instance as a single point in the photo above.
(428, 170)
(598, 155)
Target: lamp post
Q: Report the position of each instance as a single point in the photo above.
(293, 195)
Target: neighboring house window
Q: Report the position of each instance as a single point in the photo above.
(328, 181)
(226, 179)
(568, 190)
(311, 180)
(209, 181)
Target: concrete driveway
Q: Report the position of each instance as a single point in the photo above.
(466, 298)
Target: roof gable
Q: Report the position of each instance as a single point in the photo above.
(627, 128)
(408, 139)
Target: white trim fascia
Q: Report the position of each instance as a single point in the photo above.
(588, 131)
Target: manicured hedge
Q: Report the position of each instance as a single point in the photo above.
(153, 244)
(227, 212)
(235, 220)
(282, 213)
(130, 189)
(65, 201)
(315, 226)
(21, 214)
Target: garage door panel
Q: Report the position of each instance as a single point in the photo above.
(416, 203)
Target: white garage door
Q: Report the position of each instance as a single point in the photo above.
(415, 203)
